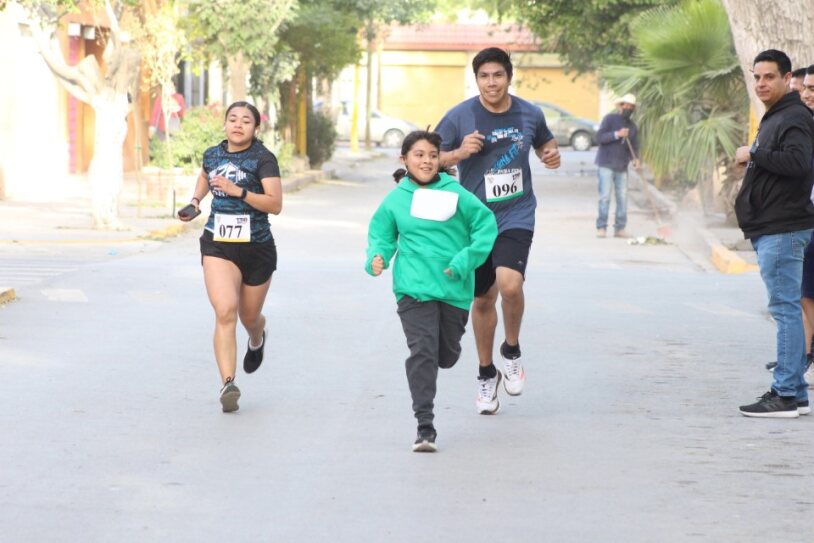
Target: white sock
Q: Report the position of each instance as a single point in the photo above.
(262, 340)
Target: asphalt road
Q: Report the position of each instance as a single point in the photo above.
(628, 430)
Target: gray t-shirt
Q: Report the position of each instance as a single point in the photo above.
(499, 174)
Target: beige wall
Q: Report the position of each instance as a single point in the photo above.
(540, 77)
(420, 86)
(580, 97)
(33, 148)
(431, 91)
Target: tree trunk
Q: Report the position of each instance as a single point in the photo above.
(755, 30)
(238, 70)
(107, 94)
(105, 172)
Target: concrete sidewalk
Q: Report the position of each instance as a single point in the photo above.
(722, 244)
(147, 209)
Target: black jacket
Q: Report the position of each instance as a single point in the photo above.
(776, 194)
(613, 152)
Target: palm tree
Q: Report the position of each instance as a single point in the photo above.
(686, 75)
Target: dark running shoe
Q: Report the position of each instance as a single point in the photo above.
(803, 407)
(254, 357)
(770, 405)
(770, 366)
(229, 395)
(425, 441)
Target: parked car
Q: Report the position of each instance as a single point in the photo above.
(384, 130)
(569, 129)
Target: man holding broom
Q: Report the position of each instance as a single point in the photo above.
(618, 145)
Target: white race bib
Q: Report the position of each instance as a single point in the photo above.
(504, 186)
(434, 205)
(233, 228)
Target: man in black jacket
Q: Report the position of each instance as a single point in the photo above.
(775, 212)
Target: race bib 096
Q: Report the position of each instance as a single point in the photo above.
(504, 185)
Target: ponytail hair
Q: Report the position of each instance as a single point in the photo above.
(433, 138)
(399, 174)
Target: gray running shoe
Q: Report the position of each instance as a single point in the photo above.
(229, 395)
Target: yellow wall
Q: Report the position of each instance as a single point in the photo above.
(420, 86)
(421, 94)
(580, 97)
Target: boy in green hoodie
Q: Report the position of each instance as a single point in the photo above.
(442, 232)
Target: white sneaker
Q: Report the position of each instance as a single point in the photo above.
(809, 376)
(487, 402)
(513, 376)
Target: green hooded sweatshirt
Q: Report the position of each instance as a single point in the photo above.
(437, 227)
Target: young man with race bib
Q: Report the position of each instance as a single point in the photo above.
(489, 137)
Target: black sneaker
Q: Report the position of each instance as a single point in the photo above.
(803, 408)
(254, 357)
(770, 405)
(425, 441)
(770, 366)
(229, 395)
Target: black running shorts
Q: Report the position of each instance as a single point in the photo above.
(511, 250)
(256, 261)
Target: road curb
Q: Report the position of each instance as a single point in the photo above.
(171, 231)
(300, 181)
(727, 261)
(7, 295)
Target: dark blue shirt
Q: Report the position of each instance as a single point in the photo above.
(245, 169)
(613, 152)
(510, 136)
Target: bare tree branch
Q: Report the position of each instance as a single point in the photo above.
(78, 80)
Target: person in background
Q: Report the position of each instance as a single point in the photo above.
(797, 76)
(617, 135)
(775, 211)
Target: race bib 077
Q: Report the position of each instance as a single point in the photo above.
(504, 186)
(232, 228)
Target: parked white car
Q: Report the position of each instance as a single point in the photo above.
(385, 130)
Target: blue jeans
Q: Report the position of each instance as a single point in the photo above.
(780, 258)
(618, 180)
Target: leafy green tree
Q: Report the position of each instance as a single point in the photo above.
(687, 79)
(587, 34)
(237, 33)
(320, 41)
(156, 34)
(374, 16)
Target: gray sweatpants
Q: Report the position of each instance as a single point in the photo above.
(433, 331)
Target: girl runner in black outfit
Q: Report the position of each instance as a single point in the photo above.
(238, 254)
